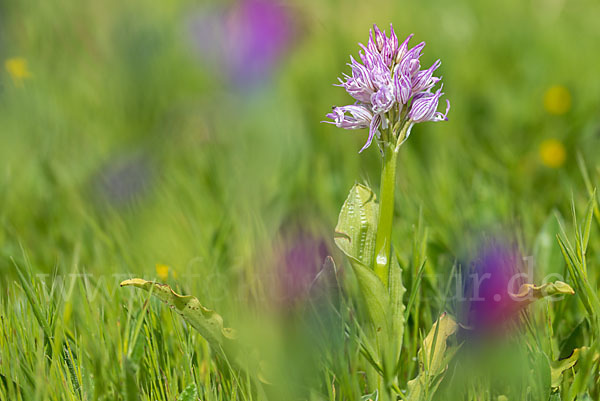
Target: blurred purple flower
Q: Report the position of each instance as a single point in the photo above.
(299, 260)
(496, 275)
(246, 40)
(389, 86)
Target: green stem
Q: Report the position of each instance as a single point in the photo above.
(383, 240)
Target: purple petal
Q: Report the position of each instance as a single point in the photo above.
(379, 38)
(393, 42)
(368, 56)
(359, 85)
(438, 116)
(424, 80)
(382, 100)
(360, 117)
(380, 73)
(403, 48)
(375, 123)
(424, 107)
(402, 88)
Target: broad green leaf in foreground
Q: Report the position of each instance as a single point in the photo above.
(210, 325)
(558, 367)
(396, 307)
(355, 236)
(581, 355)
(375, 294)
(357, 225)
(208, 322)
(433, 359)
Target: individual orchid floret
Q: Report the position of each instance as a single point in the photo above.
(403, 48)
(360, 117)
(391, 91)
(380, 44)
(424, 107)
(410, 63)
(424, 80)
(359, 85)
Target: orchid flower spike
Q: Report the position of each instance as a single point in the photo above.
(390, 88)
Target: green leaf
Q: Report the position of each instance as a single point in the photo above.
(36, 306)
(432, 357)
(374, 293)
(208, 322)
(190, 393)
(575, 268)
(355, 236)
(588, 184)
(529, 293)
(357, 225)
(130, 390)
(30, 293)
(6, 385)
(587, 225)
(558, 367)
(587, 365)
(576, 264)
(397, 308)
(541, 374)
(434, 345)
(546, 250)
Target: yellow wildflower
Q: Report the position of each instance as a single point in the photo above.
(557, 100)
(162, 271)
(17, 69)
(553, 153)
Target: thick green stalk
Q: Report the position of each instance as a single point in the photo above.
(383, 240)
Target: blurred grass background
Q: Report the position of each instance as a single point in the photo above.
(126, 143)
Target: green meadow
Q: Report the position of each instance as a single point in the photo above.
(131, 148)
